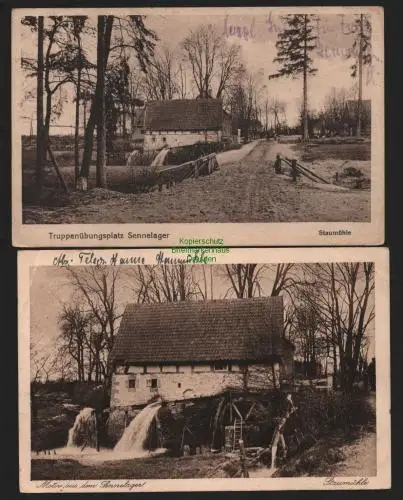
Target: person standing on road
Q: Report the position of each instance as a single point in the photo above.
(277, 164)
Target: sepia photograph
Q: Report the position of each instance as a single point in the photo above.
(239, 116)
(246, 371)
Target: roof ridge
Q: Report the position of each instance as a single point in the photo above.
(232, 299)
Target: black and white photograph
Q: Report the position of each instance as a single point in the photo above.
(176, 119)
(260, 371)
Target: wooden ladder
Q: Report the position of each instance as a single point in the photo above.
(238, 433)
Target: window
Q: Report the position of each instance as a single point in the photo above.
(179, 385)
(153, 138)
(220, 366)
(153, 384)
(132, 383)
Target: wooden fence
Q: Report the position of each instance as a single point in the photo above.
(298, 169)
(148, 178)
(205, 165)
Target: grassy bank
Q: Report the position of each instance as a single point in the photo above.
(191, 467)
(351, 433)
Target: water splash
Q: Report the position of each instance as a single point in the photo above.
(135, 434)
(159, 159)
(83, 431)
(131, 158)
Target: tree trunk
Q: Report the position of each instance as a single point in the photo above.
(335, 368)
(101, 134)
(305, 133)
(77, 129)
(84, 114)
(359, 103)
(90, 128)
(40, 146)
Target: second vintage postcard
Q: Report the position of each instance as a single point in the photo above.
(187, 126)
(263, 370)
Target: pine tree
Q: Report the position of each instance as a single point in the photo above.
(294, 45)
(362, 49)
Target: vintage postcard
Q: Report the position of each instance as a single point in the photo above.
(168, 127)
(265, 369)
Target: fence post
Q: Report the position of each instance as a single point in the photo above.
(277, 164)
(294, 171)
(242, 453)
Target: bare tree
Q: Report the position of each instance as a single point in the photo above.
(97, 286)
(161, 82)
(52, 69)
(75, 329)
(341, 294)
(183, 90)
(247, 279)
(213, 62)
(103, 46)
(277, 108)
(40, 143)
(334, 114)
(130, 33)
(166, 283)
(43, 365)
(244, 102)
(244, 279)
(282, 279)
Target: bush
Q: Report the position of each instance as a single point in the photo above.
(85, 394)
(322, 412)
(352, 172)
(144, 178)
(142, 158)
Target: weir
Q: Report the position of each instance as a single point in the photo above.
(83, 432)
(159, 159)
(135, 434)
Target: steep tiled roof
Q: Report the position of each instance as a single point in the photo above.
(184, 115)
(241, 329)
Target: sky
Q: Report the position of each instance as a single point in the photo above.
(257, 35)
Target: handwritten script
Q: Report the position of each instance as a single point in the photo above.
(91, 258)
(87, 484)
(331, 481)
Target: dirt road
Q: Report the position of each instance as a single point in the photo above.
(244, 191)
(360, 456)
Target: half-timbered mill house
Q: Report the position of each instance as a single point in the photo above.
(181, 122)
(182, 350)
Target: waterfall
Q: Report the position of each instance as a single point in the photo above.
(159, 159)
(132, 156)
(84, 428)
(136, 433)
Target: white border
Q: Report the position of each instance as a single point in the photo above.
(29, 259)
(234, 234)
